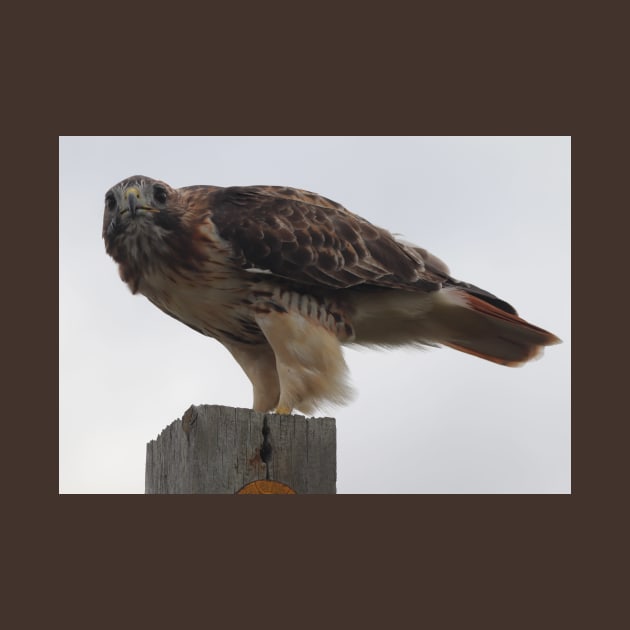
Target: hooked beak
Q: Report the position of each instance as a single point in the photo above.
(132, 196)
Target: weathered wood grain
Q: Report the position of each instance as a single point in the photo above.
(217, 450)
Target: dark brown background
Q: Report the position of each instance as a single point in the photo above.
(500, 561)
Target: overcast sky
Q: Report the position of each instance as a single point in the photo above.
(495, 209)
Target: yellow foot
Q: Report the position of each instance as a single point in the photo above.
(285, 411)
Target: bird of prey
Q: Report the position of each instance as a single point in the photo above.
(283, 278)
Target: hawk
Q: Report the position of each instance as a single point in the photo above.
(283, 278)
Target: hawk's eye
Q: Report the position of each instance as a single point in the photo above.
(159, 194)
(110, 200)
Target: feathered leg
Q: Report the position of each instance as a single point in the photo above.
(259, 363)
(309, 361)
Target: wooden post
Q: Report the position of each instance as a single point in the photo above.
(219, 450)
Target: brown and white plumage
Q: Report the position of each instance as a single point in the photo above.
(283, 277)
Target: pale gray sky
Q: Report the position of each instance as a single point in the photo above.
(495, 209)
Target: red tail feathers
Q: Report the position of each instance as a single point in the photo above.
(483, 330)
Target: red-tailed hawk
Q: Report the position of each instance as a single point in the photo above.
(284, 277)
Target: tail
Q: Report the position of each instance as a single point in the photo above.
(475, 326)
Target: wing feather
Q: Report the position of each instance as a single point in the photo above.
(312, 240)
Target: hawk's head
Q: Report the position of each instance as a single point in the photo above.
(143, 225)
(135, 206)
